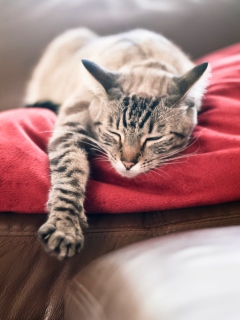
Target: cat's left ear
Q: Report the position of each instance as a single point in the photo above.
(193, 83)
(106, 78)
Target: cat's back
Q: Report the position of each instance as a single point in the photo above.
(58, 74)
(128, 48)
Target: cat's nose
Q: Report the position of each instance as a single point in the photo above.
(128, 165)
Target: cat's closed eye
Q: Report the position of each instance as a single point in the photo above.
(150, 139)
(178, 134)
(117, 135)
(153, 138)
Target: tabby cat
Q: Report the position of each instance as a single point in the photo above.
(135, 99)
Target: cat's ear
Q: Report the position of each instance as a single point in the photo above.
(106, 78)
(192, 84)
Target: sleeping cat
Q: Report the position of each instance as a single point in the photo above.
(135, 100)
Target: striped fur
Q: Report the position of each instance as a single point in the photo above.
(136, 104)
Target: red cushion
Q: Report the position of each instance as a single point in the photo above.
(210, 175)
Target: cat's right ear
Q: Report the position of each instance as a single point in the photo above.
(106, 78)
(193, 84)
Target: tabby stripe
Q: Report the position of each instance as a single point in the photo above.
(126, 101)
(80, 144)
(130, 112)
(55, 161)
(70, 192)
(110, 121)
(71, 172)
(147, 115)
(75, 127)
(154, 104)
(64, 152)
(97, 123)
(67, 145)
(117, 124)
(151, 124)
(124, 117)
(72, 203)
(57, 141)
(149, 112)
(63, 209)
(60, 169)
(66, 161)
(74, 182)
(83, 145)
(160, 126)
(69, 219)
(82, 131)
(70, 123)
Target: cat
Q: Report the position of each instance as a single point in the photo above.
(133, 96)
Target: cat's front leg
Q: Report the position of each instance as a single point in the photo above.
(62, 233)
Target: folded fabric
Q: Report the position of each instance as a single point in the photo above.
(208, 172)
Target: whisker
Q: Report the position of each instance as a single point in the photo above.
(193, 141)
(153, 167)
(74, 132)
(173, 161)
(100, 159)
(158, 169)
(103, 152)
(145, 173)
(153, 171)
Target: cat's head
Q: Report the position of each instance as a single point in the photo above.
(139, 130)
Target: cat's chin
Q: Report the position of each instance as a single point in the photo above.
(128, 174)
(119, 167)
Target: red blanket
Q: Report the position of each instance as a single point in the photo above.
(209, 174)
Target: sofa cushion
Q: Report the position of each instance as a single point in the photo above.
(208, 172)
(24, 179)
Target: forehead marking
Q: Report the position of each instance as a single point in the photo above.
(148, 112)
(137, 110)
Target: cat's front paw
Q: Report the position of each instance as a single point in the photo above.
(63, 238)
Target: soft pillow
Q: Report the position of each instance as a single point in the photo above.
(209, 172)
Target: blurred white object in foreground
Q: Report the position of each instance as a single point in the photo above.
(186, 276)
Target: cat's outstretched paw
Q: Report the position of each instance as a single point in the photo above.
(62, 238)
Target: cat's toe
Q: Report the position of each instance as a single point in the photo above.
(55, 241)
(70, 246)
(64, 246)
(61, 241)
(45, 231)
